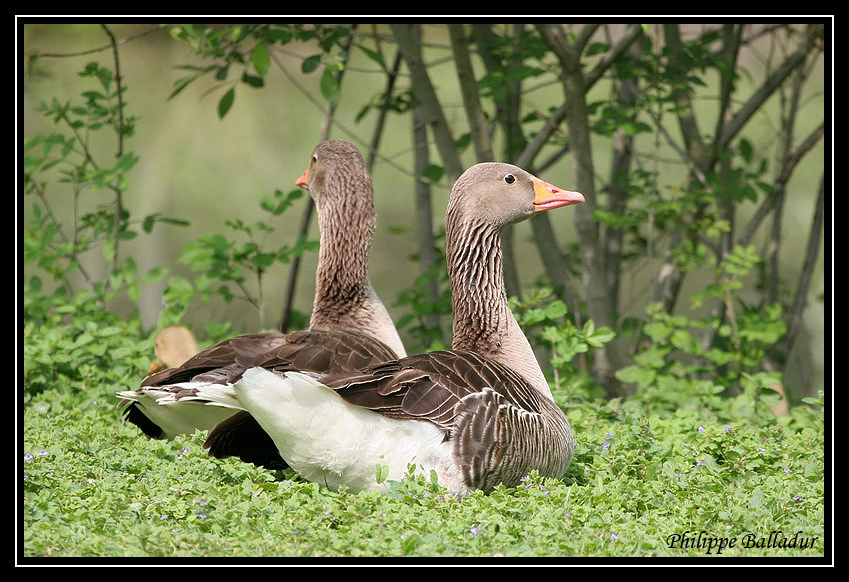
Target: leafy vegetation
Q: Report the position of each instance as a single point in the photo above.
(644, 470)
(681, 448)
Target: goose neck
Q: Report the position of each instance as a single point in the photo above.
(482, 319)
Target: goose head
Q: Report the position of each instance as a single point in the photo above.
(336, 175)
(485, 199)
(498, 194)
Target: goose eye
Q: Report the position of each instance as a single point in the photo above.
(509, 178)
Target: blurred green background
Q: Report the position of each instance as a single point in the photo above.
(206, 170)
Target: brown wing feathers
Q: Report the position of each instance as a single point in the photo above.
(308, 351)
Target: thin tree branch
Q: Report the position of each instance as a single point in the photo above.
(426, 94)
(787, 168)
(754, 103)
(33, 54)
(118, 193)
(633, 33)
(686, 118)
(469, 91)
(812, 252)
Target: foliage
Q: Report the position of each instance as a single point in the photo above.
(223, 261)
(68, 156)
(548, 325)
(94, 486)
(246, 48)
(686, 361)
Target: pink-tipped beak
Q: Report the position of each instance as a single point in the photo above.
(549, 196)
(302, 181)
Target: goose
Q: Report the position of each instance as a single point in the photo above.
(349, 325)
(479, 414)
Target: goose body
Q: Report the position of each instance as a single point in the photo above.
(477, 415)
(349, 325)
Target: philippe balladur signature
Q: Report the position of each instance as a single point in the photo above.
(703, 540)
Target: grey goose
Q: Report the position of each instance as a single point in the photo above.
(477, 415)
(349, 325)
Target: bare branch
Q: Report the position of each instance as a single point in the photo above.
(753, 104)
(426, 94)
(787, 168)
(812, 252)
(469, 91)
(687, 117)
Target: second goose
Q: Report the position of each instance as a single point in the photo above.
(349, 326)
(478, 415)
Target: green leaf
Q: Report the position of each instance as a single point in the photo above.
(253, 81)
(374, 56)
(226, 103)
(657, 330)
(329, 86)
(636, 374)
(125, 163)
(310, 64)
(381, 472)
(555, 309)
(155, 274)
(433, 173)
(260, 59)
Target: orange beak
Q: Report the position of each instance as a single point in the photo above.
(302, 181)
(549, 196)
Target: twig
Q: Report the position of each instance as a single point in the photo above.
(799, 302)
(119, 91)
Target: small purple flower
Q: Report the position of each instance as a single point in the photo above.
(701, 429)
(613, 536)
(43, 453)
(605, 445)
(28, 457)
(798, 498)
(608, 435)
(761, 451)
(726, 428)
(786, 469)
(474, 530)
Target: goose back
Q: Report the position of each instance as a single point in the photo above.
(349, 326)
(481, 405)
